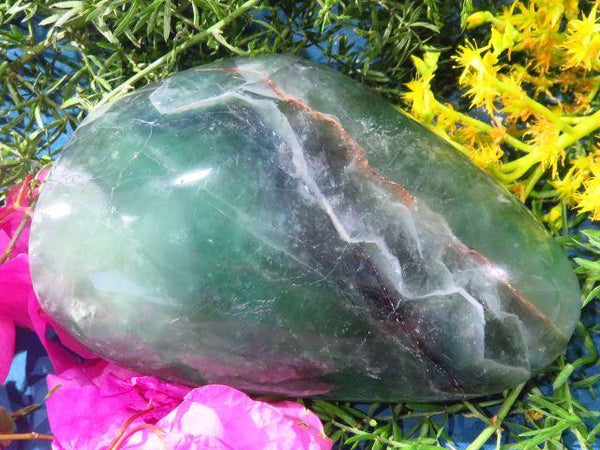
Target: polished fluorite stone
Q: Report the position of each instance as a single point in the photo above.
(272, 225)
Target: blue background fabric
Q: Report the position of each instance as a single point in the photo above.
(26, 385)
(26, 382)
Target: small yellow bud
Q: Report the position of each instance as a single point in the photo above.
(554, 217)
(431, 60)
(479, 18)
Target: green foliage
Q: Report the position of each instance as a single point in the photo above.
(62, 59)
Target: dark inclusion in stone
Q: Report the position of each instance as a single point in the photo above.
(272, 225)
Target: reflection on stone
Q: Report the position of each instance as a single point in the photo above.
(272, 225)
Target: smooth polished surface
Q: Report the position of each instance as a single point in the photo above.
(272, 225)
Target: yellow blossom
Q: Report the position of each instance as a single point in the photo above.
(589, 199)
(421, 99)
(549, 156)
(419, 94)
(550, 13)
(543, 135)
(545, 100)
(571, 8)
(467, 135)
(514, 98)
(521, 16)
(486, 154)
(545, 54)
(498, 133)
(568, 186)
(538, 23)
(542, 131)
(584, 163)
(582, 46)
(446, 120)
(479, 72)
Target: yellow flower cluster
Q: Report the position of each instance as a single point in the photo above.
(537, 82)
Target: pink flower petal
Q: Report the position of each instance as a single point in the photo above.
(16, 288)
(91, 403)
(79, 416)
(4, 241)
(223, 417)
(7, 338)
(91, 408)
(303, 419)
(10, 225)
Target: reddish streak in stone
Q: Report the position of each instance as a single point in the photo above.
(404, 195)
(514, 291)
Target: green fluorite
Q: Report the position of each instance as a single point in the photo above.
(272, 225)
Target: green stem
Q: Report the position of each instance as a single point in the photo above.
(33, 52)
(496, 171)
(573, 119)
(194, 40)
(584, 128)
(44, 97)
(516, 143)
(358, 432)
(565, 218)
(488, 432)
(481, 416)
(552, 193)
(514, 170)
(516, 174)
(533, 179)
(523, 162)
(569, 400)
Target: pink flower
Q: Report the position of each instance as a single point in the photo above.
(107, 407)
(14, 271)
